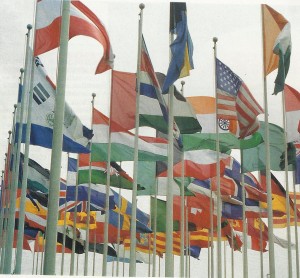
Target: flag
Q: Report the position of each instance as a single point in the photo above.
(125, 207)
(122, 142)
(254, 159)
(205, 109)
(150, 92)
(38, 177)
(124, 86)
(75, 135)
(181, 48)
(200, 164)
(118, 177)
(161, 216)
(82, 22)
(235, 101)
(292, 113)
(277, 45)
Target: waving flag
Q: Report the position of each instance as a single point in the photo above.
(82, 22)
(277, 45)
(122, 142)
(75, 134)
(292, 109)
(235, 101)
(181, 48)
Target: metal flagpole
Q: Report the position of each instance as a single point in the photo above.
(245, 232)
(118, 233)
(7, 190)
(33, 262)
(296, 227)
(268, 172)
(219, 204)
(94, 256)
(154, 230)
(64, 230)
(74, 239)
(52, 215)
(211, 235)
(107, 190)
(87, 235)
(287, 197)
(182, 231)
(232, 256)
(225, 270)
(15, 178)
(169, 259)
(261, 245)
(132, 265)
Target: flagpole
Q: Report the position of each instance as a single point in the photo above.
(182, 206)
(15, 178)
(287, 197)
(296, 226)
(132, 265)
(169, 259)
(268, 170)
(51, 235)
(219, 208)
(5, 216)
(232, 256)
(261, 245)
(64, 230)
(118, 232)
(245, 243)
(72, 263)
(211, 234)
(87, 238)
(154, 230)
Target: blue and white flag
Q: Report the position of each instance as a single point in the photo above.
(75, 134)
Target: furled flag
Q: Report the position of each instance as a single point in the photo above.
(277, 45)
(75, 135)
(292, 109)
(181, 48)
(235, 101)
(82, 22)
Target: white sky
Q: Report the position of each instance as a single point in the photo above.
(237, 24)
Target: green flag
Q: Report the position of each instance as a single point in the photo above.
(227, 141)
(161, 216)
(254, 159)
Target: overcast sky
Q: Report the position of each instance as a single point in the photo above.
(237, 25)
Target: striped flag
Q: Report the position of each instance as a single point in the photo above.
(82, 22)
(235, 101)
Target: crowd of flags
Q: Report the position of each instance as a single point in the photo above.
(206, 130)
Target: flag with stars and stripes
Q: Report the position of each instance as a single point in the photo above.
(235, 101)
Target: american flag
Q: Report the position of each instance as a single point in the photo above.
(235, 101)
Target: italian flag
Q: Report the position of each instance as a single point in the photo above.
(122, 143)
(277, 45)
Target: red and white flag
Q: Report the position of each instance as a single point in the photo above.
(82, 22)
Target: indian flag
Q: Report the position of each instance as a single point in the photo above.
(277, 45)
(122, 143)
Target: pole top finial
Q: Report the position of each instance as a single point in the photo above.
(21, 70)
(15, 106)
(215, 39)
(9, 132)
(29, 26)
(182, 82)
(93, 95)
(142, 6)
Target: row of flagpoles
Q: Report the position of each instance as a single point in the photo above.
(179, 67)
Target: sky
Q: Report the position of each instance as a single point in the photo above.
(236, 24)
